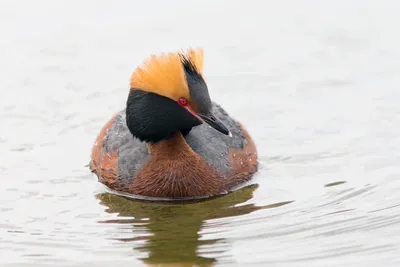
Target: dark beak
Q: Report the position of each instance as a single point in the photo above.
(215, 123)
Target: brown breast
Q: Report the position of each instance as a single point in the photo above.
(174, 170)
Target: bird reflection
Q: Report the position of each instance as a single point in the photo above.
(174, 228)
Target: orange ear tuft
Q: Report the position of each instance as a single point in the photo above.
(163, 74)
(197, 57)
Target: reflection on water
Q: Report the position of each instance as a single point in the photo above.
(174, 228)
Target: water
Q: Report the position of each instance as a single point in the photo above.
(315, 82)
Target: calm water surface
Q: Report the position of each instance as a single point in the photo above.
(316, 83)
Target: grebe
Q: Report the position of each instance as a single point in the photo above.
(162, 145)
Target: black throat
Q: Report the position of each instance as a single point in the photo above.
(151, 117)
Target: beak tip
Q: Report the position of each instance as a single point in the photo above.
(215, 123)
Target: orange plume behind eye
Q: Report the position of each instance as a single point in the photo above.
(196, 56)
(163, 74)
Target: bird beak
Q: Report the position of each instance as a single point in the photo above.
(215, 123)
(211, 120)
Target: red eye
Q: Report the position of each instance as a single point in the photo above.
(182, 101)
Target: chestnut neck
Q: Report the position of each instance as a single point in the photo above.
(175, 147)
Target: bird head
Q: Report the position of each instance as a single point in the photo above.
(167, 94)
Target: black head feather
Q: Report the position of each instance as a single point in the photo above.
(152, 118)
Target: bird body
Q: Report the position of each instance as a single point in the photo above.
(171, 140)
